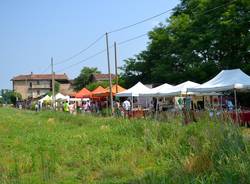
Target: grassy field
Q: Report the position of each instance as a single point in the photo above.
(52, 147)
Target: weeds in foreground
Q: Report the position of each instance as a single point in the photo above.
(60, 148)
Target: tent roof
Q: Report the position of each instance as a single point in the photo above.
(99, 90)
(120, 89)
(178, 89)
(134, 91)
(83, 93)
(46, 98)
(60, 96)
(154, 91)
(225, 80)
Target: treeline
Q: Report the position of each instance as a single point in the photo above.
(200, 38)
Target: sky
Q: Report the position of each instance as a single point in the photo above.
(31, 32)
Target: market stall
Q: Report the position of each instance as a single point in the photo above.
(132, 93)
(227, 80)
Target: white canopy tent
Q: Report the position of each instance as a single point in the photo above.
(60, 96)
(154, 91)
(46, 98)
(134, 91)
(180, 89)
(226, 80)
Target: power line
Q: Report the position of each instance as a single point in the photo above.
(140, 22)
(80, 52)
(45, 69)
(86, 59)
(102, 51)
(215, 8)
(113, 31)
(131, 39)
(128, 40)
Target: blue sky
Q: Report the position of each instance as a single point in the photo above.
(33, 31)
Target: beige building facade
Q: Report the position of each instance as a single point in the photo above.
(36, 85)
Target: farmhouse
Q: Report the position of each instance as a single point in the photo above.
(35, 85)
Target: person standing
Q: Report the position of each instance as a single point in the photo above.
(126, 106)
(66, 106)
(117, 108)
(36, 107)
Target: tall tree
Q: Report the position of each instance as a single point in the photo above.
(84, 77)
(201, 38)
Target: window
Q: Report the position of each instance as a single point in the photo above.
(38, 92)
(38, 82)
(31, 84)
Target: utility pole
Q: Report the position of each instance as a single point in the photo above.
(53, 83)
(116, 73)
(110, 78)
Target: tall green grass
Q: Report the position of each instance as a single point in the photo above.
(53, 147)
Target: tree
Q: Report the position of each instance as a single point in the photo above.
(201, 38)
(84, 78)
(94, 85)
(57, 87)
(10, 97)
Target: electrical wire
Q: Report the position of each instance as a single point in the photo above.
(45, 69)
(131, 39)
(80, 52)
(102, 51)
(140, 22)
(128, 40)
(86, 59)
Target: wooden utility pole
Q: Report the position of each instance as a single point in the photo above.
(53, 82)
(110, 78)
(116, 73)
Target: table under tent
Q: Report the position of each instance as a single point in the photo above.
(172, 98)
(136, 101)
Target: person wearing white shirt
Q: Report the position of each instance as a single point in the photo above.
(126, 106)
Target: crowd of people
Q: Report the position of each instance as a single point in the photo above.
(120, 108)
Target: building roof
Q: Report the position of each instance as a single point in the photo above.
(40, 77)
(103, 76)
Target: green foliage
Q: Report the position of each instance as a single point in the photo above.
(57, 87)
(94, 85)
(55, 147)
(104, 84)
(201, 38)
(84, 78)
(106, 112)
(10, 97)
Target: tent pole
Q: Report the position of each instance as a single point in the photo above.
(221, 102)
(138, 101)
(235, 105)
(132, 107)
(156, 110)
